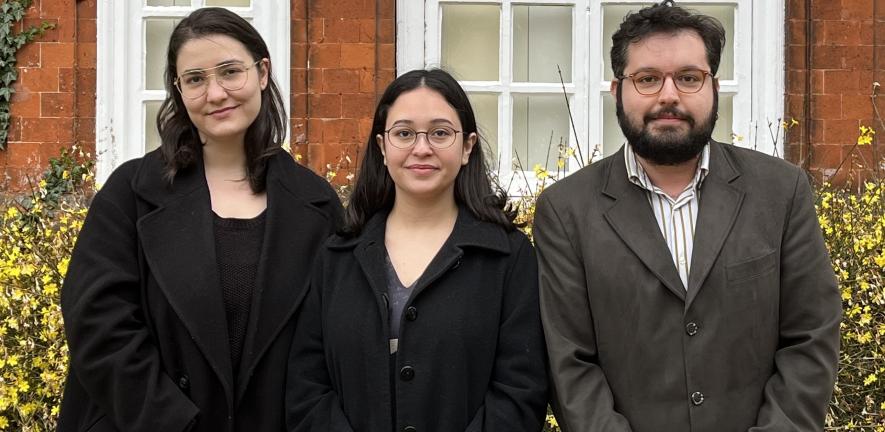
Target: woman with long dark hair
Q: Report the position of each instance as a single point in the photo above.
(423, 312)
(180, 297)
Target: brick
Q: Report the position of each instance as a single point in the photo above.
(298, 9)
(57, 55)
(826, 9)
(880, 9)
(795, 9)
(365, 127)
(15, 131)
(63, 29)
(856, 107)
(85, 79)
(85, 103)
(314, 130)
(315, 30)
(298, 104)
(325, 106)
(57, 8)
(827, 57)
(56, 104)
(795, 57)
(341, 81)
(367, 30)
(298, 79)
(87, 8)
(85, 132)
(342, 30)
(358, 106)
(857, 9)
(323, 56)
(386, 55)
(836, 33)
(39, 79)
(826, 107)
(341, 131)
(386, 31)
(386, 8)
(86, 31)
(818, 131)
(826, 156)
(315, 78)
(299, 31)
(858, 57)
(66, 82)
(23, 154)
(841, 131)
(298, 55)
(28, 56)
(847, 82)
(47, 130)
(357, 55)
(796, 33)
(86, 53)
(384, 77)
(343, 8)
(795, 106)
(367, 81)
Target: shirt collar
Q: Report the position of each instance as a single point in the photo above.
(636, 174)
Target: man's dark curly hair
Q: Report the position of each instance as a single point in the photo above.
(665, 17)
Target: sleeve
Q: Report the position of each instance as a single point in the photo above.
(516, 399)
(113, 355)
(312, 405)
(581, 397)
(797, 394)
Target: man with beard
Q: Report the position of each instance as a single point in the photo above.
(685, 285)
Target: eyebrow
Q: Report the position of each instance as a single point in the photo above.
(434, 121)
(217, 65)
(651, 69)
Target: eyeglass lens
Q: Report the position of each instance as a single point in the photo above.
(405, 137)
(232, 76)
(686, 81)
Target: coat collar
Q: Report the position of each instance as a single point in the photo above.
(632, 219)
(179, 245)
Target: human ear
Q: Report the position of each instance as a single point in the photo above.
(379, 140)
(263, 72)
(468, 147)
(614, 88)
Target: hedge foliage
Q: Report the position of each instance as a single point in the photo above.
(37, 234)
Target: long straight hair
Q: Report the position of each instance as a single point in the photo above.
(375, 191)
(181, 145)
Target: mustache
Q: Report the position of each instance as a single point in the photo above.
(669, 112)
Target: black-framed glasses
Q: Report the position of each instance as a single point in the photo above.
(230, 76)
(439, 137)
(650, 82)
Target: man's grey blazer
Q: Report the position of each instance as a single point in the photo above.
(752, 344)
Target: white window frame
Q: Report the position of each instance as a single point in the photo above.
(120, 92)
(757, 85)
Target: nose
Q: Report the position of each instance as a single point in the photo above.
(422, 145)
(669, 94)
(214, 91)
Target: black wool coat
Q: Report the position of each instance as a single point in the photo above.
(144, 315)
(471, 349)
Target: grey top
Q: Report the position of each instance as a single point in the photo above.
(397, 296)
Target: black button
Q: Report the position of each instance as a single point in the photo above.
(184, 382)
(410, 429)
(407, 373)
(691, 329)
(412, 313)
(697, 398)
(457, 264)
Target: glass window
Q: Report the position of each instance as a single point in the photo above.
(485, 108)
(152, 137)
(156, 35)
(540, 129)
(542, 40)
(168, 3)
(470, 37)
(229, 3)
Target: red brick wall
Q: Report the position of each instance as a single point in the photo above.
(832, 62)
(349, 47)
(54, 103)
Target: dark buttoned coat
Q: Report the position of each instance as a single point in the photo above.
(751, 345)
(471, 351)
(143, 309)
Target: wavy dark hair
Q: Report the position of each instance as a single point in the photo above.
(374, 189)
(665, 17)
(181, 145)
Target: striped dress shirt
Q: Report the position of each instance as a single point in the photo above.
(676, 217)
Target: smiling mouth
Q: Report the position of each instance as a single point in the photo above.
(222, 110)
(421, 167)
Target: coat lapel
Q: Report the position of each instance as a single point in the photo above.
(720, 203)
(631, 217)
(179, 246)
(285, 265)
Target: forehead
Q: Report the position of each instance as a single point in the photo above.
(667, 52)
(209, 51)
(421, 105)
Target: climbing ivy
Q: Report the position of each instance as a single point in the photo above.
(11, 13)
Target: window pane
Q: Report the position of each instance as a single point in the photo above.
(229, 3)
(613, 15)
(540, 125)
(157, 32)
(485, 108)
(542, 39)
(168, 2)
(470, 39)
(151, 137)
(612, 138)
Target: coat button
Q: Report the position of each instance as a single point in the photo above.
(184, 382)
(691, 328)
(407, 373)
(410, 429)
(697, 398)
(412, 313)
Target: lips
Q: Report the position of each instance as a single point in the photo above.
(222, 110)
(421, 168)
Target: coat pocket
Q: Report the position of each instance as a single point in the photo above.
(751, 268)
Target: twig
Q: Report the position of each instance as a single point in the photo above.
(569, 109)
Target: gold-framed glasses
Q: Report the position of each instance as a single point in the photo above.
(230, 76)
(650, 82)
(439, 137)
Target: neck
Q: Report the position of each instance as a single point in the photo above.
(225, 160)
(423, 213)
(672, 179)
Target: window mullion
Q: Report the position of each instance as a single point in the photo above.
(505, 112)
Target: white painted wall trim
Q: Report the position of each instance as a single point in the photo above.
(769, 73)
(409, 35)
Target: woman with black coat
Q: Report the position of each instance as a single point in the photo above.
(423, 313)
(180, 299)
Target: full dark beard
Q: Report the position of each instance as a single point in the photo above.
(669, 147)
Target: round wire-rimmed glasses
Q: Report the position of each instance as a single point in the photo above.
(194, 84)
(439, 137)
(650, 82)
